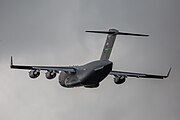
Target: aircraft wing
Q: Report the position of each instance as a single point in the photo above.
(47, 68)
(137, 75)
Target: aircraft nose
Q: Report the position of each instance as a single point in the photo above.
(62, 82)
(72, 82)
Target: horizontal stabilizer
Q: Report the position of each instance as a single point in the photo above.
(117, 33)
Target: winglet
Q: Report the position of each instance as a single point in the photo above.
(11, 62)
(168, 73)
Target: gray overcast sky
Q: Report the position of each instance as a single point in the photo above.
(43, 32)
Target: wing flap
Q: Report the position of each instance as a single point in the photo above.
(48, 68)
(138, 75)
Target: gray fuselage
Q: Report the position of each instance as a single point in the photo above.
(88, 75)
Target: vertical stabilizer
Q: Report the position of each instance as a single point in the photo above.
(111, 39)
(109, 45)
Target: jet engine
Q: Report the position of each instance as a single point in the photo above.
(50, 74)
(34, 73)
(119, 79)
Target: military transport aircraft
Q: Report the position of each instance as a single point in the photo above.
(91, 74)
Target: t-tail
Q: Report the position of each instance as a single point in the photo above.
(112, 33)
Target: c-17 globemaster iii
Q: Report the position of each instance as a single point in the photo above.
(91, 74)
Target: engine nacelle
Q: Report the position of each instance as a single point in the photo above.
(119, 79)
(50, 74)
(34, 73)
